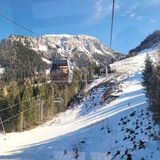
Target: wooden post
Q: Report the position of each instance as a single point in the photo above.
(40, 103)
(106, 72)
(86, 81)
(86, 84)
(42, 111)
(4, 131)
(65, 97)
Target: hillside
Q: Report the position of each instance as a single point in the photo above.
(150, 42)
(120, 127)
(19, 62)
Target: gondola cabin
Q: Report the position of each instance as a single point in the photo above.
(61, 71)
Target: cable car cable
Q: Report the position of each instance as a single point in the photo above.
(18, 24)
(112, 22)
(10, 107)
(16, 115)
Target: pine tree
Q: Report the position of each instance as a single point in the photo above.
(49, 103)
(157, 90)
(28, 106)
(148, 80)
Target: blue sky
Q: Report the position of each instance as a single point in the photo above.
(134, 19)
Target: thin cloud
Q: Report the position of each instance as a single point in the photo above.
(154, 2)
(103, 9)
(135, 16)
(132, 12)
(132, 15)
(138, 17)
(154, 20)
(98, 9)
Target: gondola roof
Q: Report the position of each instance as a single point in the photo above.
(57, 63)
(60, 62)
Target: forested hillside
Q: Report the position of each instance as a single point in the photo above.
(27, 95)
(26, 106)
(20, 62)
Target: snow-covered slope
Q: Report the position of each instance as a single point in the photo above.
(135, 64)
(94, 129)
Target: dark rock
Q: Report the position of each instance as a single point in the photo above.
(133, 114)
(102, 128)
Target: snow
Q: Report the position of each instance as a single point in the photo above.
(46, 60)
(2, 70)
(57, 35)
(60, 50)
(132, 65)
(82, 48)
(68, 36)
(86, 36)
(47, 71)
(43, 48)
(115, 129)
(149, 50)
(98, 51)
(95, 83)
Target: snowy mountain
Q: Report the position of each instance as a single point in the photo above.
(117, 126)
(81, 49)
(150, 42)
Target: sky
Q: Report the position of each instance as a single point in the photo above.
(134, 19)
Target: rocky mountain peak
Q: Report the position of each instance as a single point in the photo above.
(80, 49)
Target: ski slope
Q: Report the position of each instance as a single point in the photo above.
(121, 129)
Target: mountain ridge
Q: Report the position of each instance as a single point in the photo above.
(77, 48)
(150, 42)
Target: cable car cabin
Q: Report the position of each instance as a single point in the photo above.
(61, 71)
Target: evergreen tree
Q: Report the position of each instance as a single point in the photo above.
(49, 103)
(13, 100)
(148, 80)
(157, 92)
(28, 106)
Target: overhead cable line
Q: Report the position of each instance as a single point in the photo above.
(23, 27)
(112, 22)
(16, 115)
(10, 107)
(18, 24)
